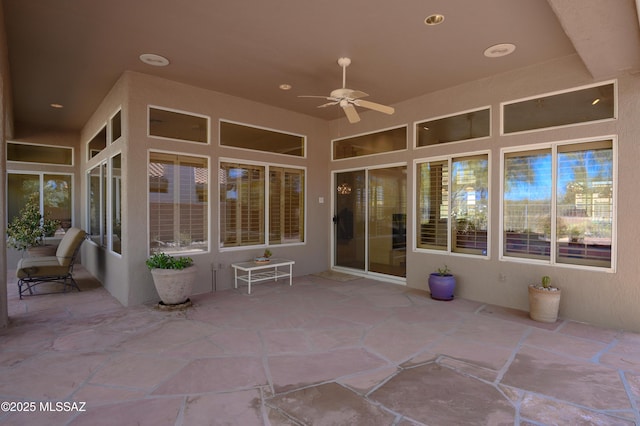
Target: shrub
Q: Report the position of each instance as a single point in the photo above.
(29, 227)
(164, 261)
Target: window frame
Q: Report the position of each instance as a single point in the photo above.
(178, 111)
(111, 127)
(376, 154)
(553, 257)
(103, 128)
(268, 129)
(207, 215)
(265, 214)
(449, 159)
(103, 171)
(110, 202)
(455, 114)
(38, 163)
(560, 92)
(41, 175)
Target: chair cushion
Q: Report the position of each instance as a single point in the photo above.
(43, 266)
(68, 245)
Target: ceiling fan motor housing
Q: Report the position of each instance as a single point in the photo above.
(341, 93)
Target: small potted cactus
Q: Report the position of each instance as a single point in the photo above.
(544, 301)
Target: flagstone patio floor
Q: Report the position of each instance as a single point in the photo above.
(321, 352)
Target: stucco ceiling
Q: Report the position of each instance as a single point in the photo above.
(71, 52)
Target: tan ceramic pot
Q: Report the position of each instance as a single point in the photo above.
(543, 304)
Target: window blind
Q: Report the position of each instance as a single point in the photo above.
(178, 204)
(527, 204)
(469, 204)
(433, 205)
(584, 210)
(244, 216)
(242, 202)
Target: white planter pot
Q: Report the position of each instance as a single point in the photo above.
(543, 304)
(174, 285)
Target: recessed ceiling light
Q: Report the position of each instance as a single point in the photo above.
(56, 106)
(153, 59)
(285, 86)
(434, 19)
(498, 50)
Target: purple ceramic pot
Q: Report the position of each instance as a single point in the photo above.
(442, 286)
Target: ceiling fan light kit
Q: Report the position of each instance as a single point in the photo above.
(348, 99)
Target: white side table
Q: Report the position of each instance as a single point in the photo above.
(256, 272)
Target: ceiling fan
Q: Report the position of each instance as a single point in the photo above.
(348, 99)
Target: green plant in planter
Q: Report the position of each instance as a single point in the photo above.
(29, 228)
(546, 281)
(165, 261)
(267, 253)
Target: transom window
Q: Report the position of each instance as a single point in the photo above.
(260, 204)
(558, 204)
(42, 154)
(371, 143)
(176, 125)
(460, 127)
(575, 106)
(258, 139)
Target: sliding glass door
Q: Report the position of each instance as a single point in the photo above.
(349, 219)
(370, 220)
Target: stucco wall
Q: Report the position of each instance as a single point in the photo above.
(110, 268)
(604, 298)
(6, 127)
(598, 297)
(127, 277)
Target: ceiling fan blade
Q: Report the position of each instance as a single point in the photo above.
(328, 104)
(352, 114)
(374, 106)
(319, 97)
(357, 94)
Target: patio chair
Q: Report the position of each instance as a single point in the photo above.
(32, 271)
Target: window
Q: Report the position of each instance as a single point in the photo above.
(178, 203)
(245, 197)
(42, 154)
(558, 204)
(116, 203)
(286, 205)
(453, 204)
(258, 139)
(98, 143)
(169, 124)
(54, 190)
(104, 185)
(527, 204)
(371, 143)
(465, 126)
(97, 203)
(116, 126)
(588, 104)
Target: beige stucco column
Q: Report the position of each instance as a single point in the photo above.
(6, 127)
